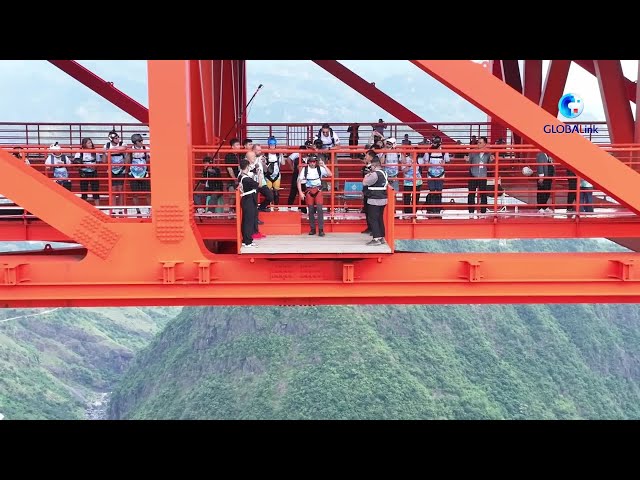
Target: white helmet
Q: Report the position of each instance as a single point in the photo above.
(391, 140)
(55, 146)
(527, 171)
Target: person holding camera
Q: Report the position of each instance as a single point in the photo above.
(311, 176)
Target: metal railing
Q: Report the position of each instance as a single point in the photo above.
(510, 188)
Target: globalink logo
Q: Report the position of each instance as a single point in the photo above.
(570, 105)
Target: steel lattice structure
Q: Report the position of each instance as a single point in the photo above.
(193, 104)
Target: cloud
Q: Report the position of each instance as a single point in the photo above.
(295, 91)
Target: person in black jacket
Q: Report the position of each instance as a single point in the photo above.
(366, 170)
(248, 203)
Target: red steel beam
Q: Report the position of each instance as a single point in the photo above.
(196, 105)
(496, 129)
(103, 88)
(473, 83)
(617, 109)
(511, 75)
(435, 229)
(226, 98)
(533, 80)
(629, 85)
(554, 85)
(384, 101)
(637, 132)
(411, 278)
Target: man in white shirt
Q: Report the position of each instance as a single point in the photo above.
(328, 137)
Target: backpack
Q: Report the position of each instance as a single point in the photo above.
(271, 167)
(333, 140)
(306, 171)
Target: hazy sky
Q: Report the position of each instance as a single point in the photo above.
(294, 91)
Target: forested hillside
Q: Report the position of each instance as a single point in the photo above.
(53, 362)
(393, 362)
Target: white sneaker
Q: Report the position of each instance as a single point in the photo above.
(541, 211)
(550, 210)
(252, 245)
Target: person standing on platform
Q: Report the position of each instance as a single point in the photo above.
(377, 183)
(311, 176)
(366, 169)
(248, 203)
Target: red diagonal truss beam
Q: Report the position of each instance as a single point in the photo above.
(380, 98)
(533, 80)
(62, 209)
(629, 85)
(554, 85)
(476, 85)
(103, 88)
(617, 108)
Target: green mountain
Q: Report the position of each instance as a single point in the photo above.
(393, 362)
(54, 362)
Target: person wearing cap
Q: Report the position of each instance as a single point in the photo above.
(118, 169)
(139, 171)
(377, 132)
(88, 170)
(376, 183)
(311, 176)
(57, 161)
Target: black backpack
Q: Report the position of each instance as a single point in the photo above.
(306, 171)
(333, 140)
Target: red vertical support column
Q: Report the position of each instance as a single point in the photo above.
(554, 85)
(617, 109)
(170, 102)
(242, 97)
(196, 106)
(637, 138)
(225, 99)
(496, 129)
(206, 79)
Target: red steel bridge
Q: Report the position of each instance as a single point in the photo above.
(165, 247)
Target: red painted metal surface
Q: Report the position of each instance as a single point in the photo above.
(493, 96)
(554, 85)
(377, 96)
(497, 129)
(617, 109)
(103, 88)
(533, 80)
(162, 260)
(629, 85)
